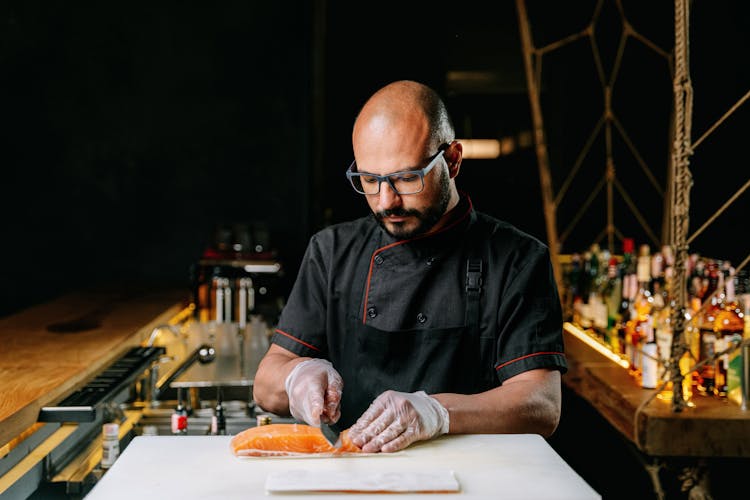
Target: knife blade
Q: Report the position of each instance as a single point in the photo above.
(331, 435)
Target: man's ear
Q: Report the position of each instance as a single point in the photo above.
(453, 156)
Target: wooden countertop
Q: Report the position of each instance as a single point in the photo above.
(713, 428)
(50, 350)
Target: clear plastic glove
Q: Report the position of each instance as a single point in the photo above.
(314, 391)
(396, 419)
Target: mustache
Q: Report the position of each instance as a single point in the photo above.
(398, 212)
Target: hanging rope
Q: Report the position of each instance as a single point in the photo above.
(682, 182)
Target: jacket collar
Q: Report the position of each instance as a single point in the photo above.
(455, 224)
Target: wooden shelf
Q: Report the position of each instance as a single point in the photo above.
(713, 428)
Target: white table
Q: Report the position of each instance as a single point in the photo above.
(202, 467)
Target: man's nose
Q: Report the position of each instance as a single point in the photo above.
(388, 197)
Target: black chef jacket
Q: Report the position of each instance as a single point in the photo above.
(398, 314)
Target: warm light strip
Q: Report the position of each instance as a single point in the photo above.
(82, 464)
(583, 336)
(262, 268)
(480, 149)
(35, 455)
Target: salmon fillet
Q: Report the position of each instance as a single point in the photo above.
(287, 440)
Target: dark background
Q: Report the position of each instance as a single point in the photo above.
(132, 130)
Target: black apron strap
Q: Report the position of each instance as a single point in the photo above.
(473, 293)
(474, 268)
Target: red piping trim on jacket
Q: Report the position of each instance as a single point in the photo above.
(298, 340)
(527, 356)
(421, 236)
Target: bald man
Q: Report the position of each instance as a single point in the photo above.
(425, 318)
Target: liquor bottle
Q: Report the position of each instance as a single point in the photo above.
(218, 420)
(573, 299)
(180, 416)
(643, 270)
(661, 315)
(693, 339)
(743, 298)
(663, 336)
(584, 284)
(574, 276)
(728, 325)
(613, 294)
(598, 291)
(735, 357)
(668, 255)
(658, 288)
(651, 305)
(642, 324)
(649, 364)
(696, 280)
(629, 291)
(706, 377)
(593, 268)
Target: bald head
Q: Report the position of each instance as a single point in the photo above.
(404, 111)
(405, 127)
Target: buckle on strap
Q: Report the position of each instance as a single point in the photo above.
(474, 275)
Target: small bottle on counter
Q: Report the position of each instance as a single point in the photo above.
(218, 420)
(180, 416)
(110, 444)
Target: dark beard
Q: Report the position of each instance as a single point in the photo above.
(427, 219)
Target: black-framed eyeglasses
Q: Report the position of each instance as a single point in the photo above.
(403, 182)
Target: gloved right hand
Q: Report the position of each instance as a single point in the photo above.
(314, 390)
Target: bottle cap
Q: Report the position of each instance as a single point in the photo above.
(263, 420)
(111, 430)
(150, 430)
(628, 245)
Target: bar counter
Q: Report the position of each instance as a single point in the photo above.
(51, 349)
(713, 428)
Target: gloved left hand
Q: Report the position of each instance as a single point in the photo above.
(396, 419)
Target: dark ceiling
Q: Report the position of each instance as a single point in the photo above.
(133, 130)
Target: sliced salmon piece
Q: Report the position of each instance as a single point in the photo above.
(287, 439)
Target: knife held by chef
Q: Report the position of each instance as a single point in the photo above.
(331, 435)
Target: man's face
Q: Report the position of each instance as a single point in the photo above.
(409, 215)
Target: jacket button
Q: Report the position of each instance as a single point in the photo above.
(421, 318)
(372, 312)
(378, 259)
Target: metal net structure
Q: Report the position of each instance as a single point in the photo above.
(675, 192)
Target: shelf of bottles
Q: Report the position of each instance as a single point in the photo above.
(623, 303)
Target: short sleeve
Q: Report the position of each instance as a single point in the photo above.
(529, 319)
(302, 323)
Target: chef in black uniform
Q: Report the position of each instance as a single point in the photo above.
(426, 317)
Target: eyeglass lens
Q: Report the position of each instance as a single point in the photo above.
(402, 183)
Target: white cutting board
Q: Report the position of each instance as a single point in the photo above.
(305, 480)
(522, 466)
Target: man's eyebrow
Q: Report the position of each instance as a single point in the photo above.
(407, 169)
(402, 170)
